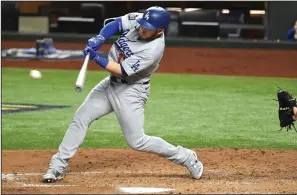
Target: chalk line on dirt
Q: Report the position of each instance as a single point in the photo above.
(46, 185)
(138, 190)
(13, 176)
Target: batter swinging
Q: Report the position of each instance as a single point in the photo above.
(131, 61)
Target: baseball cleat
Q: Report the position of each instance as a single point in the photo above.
(194, 166)
(52, 175)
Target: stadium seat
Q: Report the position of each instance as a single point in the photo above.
(173, 27)
(92, 10)
(90, 20)
(10, 16)
(200, 23)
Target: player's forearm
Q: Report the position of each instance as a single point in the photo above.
(114, 68)
(110, 66)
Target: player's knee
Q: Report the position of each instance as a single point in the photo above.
(138, 144)
(80, 123)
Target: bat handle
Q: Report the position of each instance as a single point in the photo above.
(87, 58)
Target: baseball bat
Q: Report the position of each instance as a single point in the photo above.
(82, 75)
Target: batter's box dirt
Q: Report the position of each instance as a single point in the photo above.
(97, 171)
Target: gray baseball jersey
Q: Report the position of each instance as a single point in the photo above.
(139, 59)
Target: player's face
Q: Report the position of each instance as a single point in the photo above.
(149, 34)
(295, 27)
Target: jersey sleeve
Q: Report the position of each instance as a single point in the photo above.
(136, 63)
(129, 20)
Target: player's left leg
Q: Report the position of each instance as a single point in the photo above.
(95, 106)
(128, 103)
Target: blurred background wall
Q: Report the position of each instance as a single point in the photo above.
(281, 16)
(229, 20)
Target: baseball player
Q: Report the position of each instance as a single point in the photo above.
(292, 33)
(287, 110)
(131, 61)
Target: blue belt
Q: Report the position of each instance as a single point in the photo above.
(119, 80)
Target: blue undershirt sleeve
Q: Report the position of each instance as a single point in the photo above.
(111, 28)
(106, 32)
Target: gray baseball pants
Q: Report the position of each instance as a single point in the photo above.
(127, 101)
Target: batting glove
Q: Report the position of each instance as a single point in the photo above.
(95, 42)
(103, 62)
(90, 51)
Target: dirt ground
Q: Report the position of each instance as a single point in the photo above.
(105, 170)
(215, 61)
(99, 171)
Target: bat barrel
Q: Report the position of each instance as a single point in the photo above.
(82, 74)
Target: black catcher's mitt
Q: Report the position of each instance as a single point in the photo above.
(285, 112)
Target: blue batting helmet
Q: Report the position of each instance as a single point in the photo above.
(154, 18)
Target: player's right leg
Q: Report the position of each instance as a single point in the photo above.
(128, 102)
(95, 106)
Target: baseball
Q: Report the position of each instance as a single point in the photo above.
(35, 74)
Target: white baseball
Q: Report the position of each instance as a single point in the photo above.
(35, 74)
